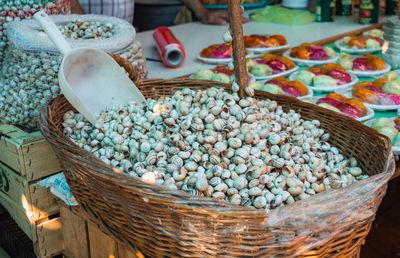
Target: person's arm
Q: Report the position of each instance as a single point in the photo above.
(219, 17)
(76, 7)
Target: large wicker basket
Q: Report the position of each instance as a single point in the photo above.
(166, 223)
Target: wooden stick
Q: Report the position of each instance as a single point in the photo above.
(239, 51)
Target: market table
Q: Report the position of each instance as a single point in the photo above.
(196, 36)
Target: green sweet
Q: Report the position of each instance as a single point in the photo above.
(376, 33)
(329, 51)
(322, 81)
(372, 43)
(256, 85)
(390, 132)
(330, 107)
(396, 141)
(203, 74)
(346, 61)
(272, 88)
(221, 77)
(391, 87)
(261, 70)
(383, 122)
(305, 77)
(250, 63)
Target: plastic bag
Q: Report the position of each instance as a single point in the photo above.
(59, 187)
(19, 10)
(31, 65)
(277, 14)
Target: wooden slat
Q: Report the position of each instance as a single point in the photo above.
(36, 201)
(49, 238)
(101, 245)
(351, 33)
(27, 153)
(75, 234)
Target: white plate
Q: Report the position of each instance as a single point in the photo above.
(219, 61)
(264, 50)
(339, 44)
(305, 62)
(341, 88)
(272, 76)
(395, 149)
(382, 107)
(370, 112)
(373, 74)
(252, 78)
(308, 96)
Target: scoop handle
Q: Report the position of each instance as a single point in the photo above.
(52, 32)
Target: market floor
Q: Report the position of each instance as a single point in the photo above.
(384, 239)
(3, 253)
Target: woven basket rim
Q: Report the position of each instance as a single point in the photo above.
(197, 200)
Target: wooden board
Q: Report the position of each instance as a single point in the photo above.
(36, 202)
(27, 153)
(84, 239)
(49, 238)
(74, 234)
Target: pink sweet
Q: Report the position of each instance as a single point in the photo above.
(397, 126)
(360, 64)
(218, 54)
(379, 40)
(373, 88)
(276, 82)
(318, 73)
(389, 99)
(291, 91)
(277, 66)
(340, 76)
(261, 61)
(349, 110)
(318, 54)
(332, 102)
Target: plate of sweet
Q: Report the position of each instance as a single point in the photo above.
(220, 73)
(326, 78)
(367, 43)
(261, 44)
(389, 127)
(308, 54)
(350, 107)
(270, 66)
(283, 86)
(381, 94)
(366, 65)
(217, 54)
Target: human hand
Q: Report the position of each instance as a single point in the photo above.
(218, 17)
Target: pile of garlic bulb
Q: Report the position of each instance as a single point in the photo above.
(247, 152)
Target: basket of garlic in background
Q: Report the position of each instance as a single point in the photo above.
(29, 75)
(21, 9)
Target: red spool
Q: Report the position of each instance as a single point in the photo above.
(169, 48)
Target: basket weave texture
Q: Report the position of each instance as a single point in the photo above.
(168, 223)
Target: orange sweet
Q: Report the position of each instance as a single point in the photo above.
(300, 53)
(271, 42)
(357, 104)
(282, 79)
(377, 63)
(298, 85)
(357, 43)
(361, 85)
(397, 120)
(327, 67)
(281, 39)
(380, 82)
(365, 95)
(314, 69)
(287, 61)
(268, 57)
(337, 96)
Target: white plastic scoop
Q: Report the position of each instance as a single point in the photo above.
(90, 79)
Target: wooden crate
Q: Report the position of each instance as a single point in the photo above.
(34, 209)
(83, 239)
(27, 153)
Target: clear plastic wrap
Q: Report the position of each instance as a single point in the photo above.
(30, 70)
(19, 10)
